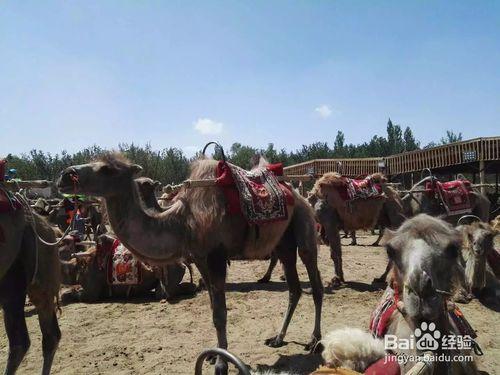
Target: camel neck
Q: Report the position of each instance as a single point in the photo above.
(155, 237)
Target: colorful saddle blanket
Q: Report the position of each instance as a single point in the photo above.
(257, 194)
(379, 320)
(359, 189)
(122, 267)
(381, 316)
(453, 194)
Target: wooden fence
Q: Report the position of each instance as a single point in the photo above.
(474, 150)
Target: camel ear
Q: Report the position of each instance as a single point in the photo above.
(136, 169)
(157, 184)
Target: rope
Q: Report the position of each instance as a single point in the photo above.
(30, 218)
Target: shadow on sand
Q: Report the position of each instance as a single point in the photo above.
(303, 363)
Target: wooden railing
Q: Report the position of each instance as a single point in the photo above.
(474, 150)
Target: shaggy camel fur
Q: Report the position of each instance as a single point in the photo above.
(479, 278)
(423, 250)
(335, 214)
(197, 226)
(28, 266)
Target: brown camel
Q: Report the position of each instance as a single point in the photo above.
(334, 213)
(89, 270)
(417, 201)
(423, 251)
(28, 267)
(478, 252)
(198, 226)
(172, 285)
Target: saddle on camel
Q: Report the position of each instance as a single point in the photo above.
(342, 203)
(122, 267)
(203, 224)
(452, 195)
(256, 194)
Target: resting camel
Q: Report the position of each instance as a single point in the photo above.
(478, 259)
(334, 214)
(28, 267)
(198, 226)
(423, 250)
(89, 270)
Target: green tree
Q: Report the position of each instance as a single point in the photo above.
(451, 137)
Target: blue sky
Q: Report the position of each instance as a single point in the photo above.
(180, 73)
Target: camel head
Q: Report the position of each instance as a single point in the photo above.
(104, 178)
(478, 240)
(478, 237)
(424, 251)
(147, 186)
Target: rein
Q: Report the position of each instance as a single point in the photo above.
(31, 220)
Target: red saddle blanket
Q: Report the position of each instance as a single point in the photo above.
(122, 267)
(257, 194)
(359, 189)
(381, 316)
(453, 194)
(8, 203)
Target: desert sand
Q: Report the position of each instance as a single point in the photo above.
(145, 336)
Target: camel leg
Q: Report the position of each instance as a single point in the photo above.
(216, 284)
(336, 254)
(51, 334)
(309, 256)
(272, 263)
(354, 241)
(13, 292)
(380, 235)
(383, 277)
(288, 257)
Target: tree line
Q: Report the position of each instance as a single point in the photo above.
(171, 165)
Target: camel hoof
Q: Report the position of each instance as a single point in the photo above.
(353, 244)
(275, 342)
(335, 282)
(283, 278)
(314, 346)
(264, 280)
(375, 243)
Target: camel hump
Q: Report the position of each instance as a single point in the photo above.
(331, 179)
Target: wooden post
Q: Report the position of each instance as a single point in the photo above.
(482, 177)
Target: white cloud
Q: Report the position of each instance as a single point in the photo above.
(323, 111)
(207, 126)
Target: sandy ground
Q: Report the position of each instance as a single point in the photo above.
(148, 337)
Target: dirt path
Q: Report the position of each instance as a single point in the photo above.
(145, 336)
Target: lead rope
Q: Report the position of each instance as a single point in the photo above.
(31, 220)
